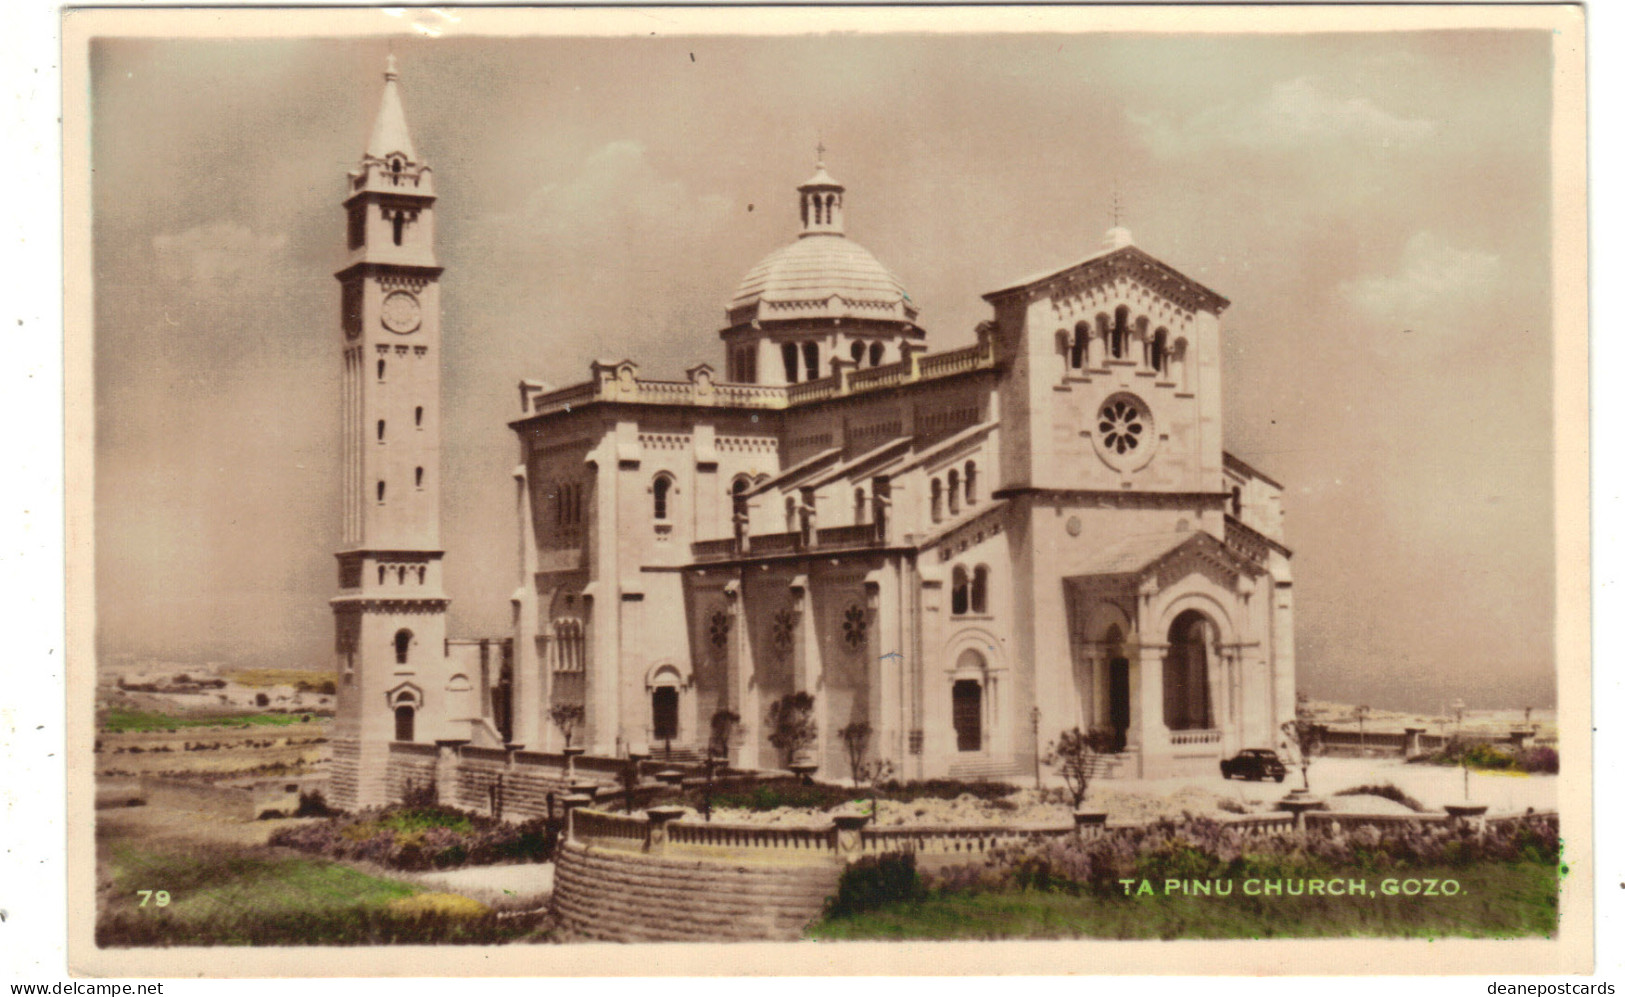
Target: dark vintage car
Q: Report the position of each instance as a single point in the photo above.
(1254, 763)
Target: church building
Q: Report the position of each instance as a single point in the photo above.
(970, 550)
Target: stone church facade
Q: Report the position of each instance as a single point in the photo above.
(971, 550)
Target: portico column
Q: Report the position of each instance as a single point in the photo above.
(1149, 728)
(742, 694)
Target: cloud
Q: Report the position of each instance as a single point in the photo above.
(1294, 114)
(216, 253)
(1435, 284)
(619, 199)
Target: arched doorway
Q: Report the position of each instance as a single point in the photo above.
(663, 704)
(968, 714)
(1186, 704)
(1118, 715)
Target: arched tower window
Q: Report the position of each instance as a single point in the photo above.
(380, 430)
(419, 476)
(1159, 351)
(1120, 333)
(877, 353)
(405, 724)
(790, 362)
(395, 166)
(970, 482)
(399, 224)
(417, 417)
(380, 370)
(953, 492)
(1080, 347)
(936, 500)
(403, 645)
(809, 353)
(857, 352)
(740, 486)
(380, 491)
(978, 589)
(662, 493)
(961, 591)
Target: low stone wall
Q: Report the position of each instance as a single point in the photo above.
(615, 895)
(411, 766)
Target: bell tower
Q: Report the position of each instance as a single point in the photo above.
(390, 614)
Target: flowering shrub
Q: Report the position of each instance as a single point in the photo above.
(1200, 848)
(423, 838)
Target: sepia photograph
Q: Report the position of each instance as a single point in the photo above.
(564, 483)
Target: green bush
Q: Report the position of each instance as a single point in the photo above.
(874, 881)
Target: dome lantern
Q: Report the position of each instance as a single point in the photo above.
(821, 209)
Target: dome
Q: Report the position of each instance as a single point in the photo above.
(821, 275)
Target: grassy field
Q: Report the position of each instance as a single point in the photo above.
(236, 893)
(1497, 900)
(264, 678)
(123, 721)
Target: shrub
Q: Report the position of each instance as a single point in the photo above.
(794, 728)
(1541, 759)
(313, 804)
(873, 881)
(424, 837)
(1387, 791)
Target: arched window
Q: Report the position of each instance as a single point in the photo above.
(419, 477)
(1142, 333)
(380, 430)
(417, 417)
(1120, 333)
(399, 223)
(740, 486)
(380, 491)
(404, 725)
(970, 482)
(662, 491)
(961, 591)
(403, 644)
(380, 370)
(1159, 351)
(857, 352)
(1080, 347)
(860, 507)
(395, 165)
(978, 589)
(809, 354)
(790, 362)
(380, 574)
(1235, 501)
(936, 500)
(953, 492)
(877, 353)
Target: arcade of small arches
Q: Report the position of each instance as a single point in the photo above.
(954, 478)
(1125, 338)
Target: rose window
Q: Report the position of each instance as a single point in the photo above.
(1121, 424)
(784, 629)
(855, 628)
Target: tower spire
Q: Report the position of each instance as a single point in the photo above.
(390, 135)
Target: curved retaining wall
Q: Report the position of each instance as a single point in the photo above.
(614, 895)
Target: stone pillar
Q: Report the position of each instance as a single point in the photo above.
(849, 836)
(1470, 815)
(570, 804)
(445, 772)
(1149, 728)
(1413, 741)
(742, 694)
(656, 837)
(1089, 823)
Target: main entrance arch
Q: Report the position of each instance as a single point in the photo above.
(1192, 645)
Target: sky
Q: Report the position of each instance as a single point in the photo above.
(1376, 206)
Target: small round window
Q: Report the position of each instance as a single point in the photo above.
(1122, 424)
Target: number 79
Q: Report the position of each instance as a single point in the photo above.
(159, 898)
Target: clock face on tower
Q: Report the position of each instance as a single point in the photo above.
(401, 312)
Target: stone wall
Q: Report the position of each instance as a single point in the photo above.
(411, 766)
(607, 894)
